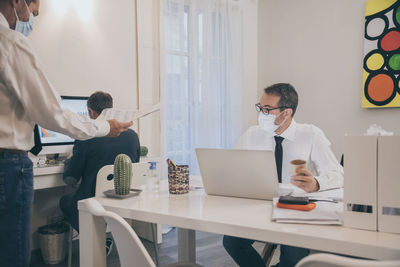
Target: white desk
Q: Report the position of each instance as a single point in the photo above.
(48, 177)
(229, 216)
(51, 175)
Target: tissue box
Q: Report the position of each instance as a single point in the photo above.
(389, 184)
(360, 182)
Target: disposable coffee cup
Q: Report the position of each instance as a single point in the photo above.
(298, 164)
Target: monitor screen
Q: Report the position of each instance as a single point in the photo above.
(76, 104)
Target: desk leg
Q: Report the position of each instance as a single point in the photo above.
(92, 240)
(186, 245)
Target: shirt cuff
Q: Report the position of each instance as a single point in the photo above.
(322, 186)
(103, 128)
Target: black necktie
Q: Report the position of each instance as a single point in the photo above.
(38, 145)
(278, 156)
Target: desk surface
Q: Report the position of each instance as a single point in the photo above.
(50, 175)
(249, 218)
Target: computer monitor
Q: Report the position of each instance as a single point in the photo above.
(53, 142)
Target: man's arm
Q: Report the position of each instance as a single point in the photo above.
(330, 172)
(74, 167)
(117, 127)
(25, 79)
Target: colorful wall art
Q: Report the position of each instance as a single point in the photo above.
(381, 80)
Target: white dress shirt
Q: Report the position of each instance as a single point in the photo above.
(301, 141)
(27, 97)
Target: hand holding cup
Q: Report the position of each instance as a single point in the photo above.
(302, 177)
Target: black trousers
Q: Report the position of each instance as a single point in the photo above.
(243, 253)
(69, 208)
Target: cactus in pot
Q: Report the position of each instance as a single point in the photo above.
(122, 174)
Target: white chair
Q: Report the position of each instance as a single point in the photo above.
(105, 182)
(330, 260)
(130, 249)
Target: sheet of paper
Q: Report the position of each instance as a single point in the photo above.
(146, 111)
(127, 115)
(310, 222)
(324, 213)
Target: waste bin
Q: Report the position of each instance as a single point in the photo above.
(53, 240)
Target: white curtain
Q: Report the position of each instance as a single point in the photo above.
(203, 76)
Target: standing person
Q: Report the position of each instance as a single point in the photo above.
(27, 98)
(90, 156)
(277, 131)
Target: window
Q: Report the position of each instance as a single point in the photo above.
(203, 77)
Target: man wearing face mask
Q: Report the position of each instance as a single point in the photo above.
(27, 98)
(277, 131)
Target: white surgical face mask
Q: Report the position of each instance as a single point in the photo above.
(24, 27)
(267, 123)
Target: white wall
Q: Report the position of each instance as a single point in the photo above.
(250, 59)
(84, 50)
(95, 51)
(317, 45)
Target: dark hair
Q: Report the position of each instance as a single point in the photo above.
(287, 93)
(99, 101)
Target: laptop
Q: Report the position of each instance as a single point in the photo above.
(238, 173)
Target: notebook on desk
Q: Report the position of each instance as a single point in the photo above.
(238, 173)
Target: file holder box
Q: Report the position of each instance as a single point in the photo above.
(389, 184)
(360, 182)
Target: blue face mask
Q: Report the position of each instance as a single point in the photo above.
(24, 27)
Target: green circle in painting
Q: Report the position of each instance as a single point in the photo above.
(394, 62)
(397, 16)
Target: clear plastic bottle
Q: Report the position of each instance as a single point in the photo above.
(153, 178)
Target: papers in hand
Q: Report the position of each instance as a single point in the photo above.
(127, 115)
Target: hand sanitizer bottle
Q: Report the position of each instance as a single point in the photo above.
(153, 178)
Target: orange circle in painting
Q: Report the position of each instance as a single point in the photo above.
(375, 61)
(380, 87)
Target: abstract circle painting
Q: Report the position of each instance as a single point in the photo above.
(381, 54)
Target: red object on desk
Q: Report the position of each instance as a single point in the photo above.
(308, 207)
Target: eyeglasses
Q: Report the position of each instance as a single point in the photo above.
(266, 110)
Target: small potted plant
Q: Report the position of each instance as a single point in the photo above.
(144, 151)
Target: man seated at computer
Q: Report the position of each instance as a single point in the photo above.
(277, 131)
(90, 156)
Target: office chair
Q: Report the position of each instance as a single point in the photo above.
(330, 260)
(130, 249)
(105, 181)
